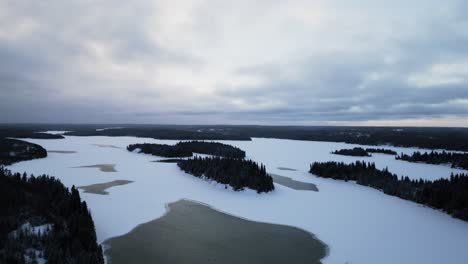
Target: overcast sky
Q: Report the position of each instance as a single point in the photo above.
(361, 62)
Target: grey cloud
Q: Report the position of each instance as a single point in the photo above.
(329, 87)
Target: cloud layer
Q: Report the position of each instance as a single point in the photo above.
(261, 62)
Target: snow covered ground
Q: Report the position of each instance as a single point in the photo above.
(359, 224)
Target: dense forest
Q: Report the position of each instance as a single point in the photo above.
(162, 150)
(70, 237)
(449, 195)
(456, 160)
(237, 173)
(174, 132)
(422, 137)
(381, 150)
(187, 148)
(358, 152)
(13, 150)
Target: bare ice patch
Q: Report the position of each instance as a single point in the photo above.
(101, 167)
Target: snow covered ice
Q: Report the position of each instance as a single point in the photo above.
(359, 224)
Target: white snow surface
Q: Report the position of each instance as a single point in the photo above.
(359, 224)
(36, 230)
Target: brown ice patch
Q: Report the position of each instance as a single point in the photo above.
(101, 167)
(286, 169)
(105, 146)
(100, 188)
(62, 151)
(195, 233)
(293, 184)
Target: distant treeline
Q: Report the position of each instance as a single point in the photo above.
(187, 148)
(44, 200)
(237, 173)
(160, 132)
(381, 150)
(456, 160)
(162, 150)
(450, 195)
(430, 138)
(25, 131)
(13, 150)
(360, 152)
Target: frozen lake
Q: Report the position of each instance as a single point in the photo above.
(359, 224)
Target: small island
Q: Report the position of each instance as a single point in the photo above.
(13, 150)
(456, 160)
(449, 195)
(357, 152)
(361, 152)
(43, 221)
(237, 173)
(188, 148)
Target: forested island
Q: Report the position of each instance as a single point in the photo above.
(187, 148)
(449, 195)
(237, 173)
(68, 234)
(456, 160)
(13, 150)
(162, 150)
(358, 152)
(361, 152)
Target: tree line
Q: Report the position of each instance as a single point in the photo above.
(361, 152)
(358, 152)
(449, 195)
(237, 173)
(381, 150)
(13, 150)
(430, 138)
(456, 160)
(40, 200)
(187, 148)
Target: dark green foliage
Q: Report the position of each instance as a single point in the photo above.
(449, 195)
(44, 199)
(13, 150)
(358, 152)
(381, 150)
(187, 148)
(162, 150)
(213, 148)
(238, 173)
(457, 160)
